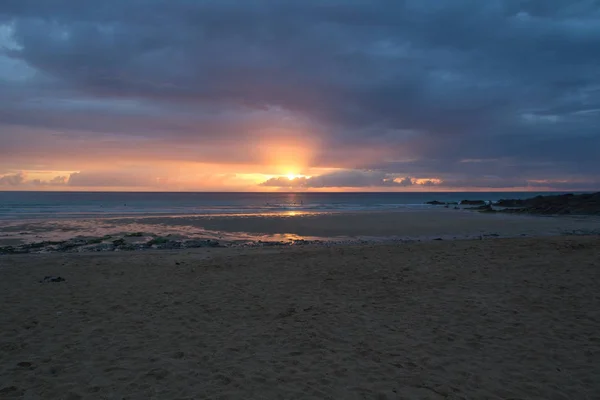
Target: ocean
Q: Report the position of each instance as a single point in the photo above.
(110, 221)
(71, 205)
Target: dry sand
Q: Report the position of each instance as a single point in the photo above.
(491, 319)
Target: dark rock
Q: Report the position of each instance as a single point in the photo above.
(269, 244)
(472, 202)
(134, 234)
(158, 241)
(478, 208)
(510, 203)
(565, 204)
(100, 247)
(119, 242)
(302, 242)
(190, 244)
(7, 250)
(486, 208)
(39, 245)
(48, 279)
(435, 203)
(128, 247)
(71, 244)
(168, 245)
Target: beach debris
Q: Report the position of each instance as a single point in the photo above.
(48, 279)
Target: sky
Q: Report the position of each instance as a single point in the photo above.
(315, 95)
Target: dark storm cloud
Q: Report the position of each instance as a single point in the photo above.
(513, 83)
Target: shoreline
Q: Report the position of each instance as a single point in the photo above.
(325, 229)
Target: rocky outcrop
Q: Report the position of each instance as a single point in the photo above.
(441, 203)
(483, 208)
(192, 244)
(109, 243)
(435, 203)
(565, 204)
(472, 203)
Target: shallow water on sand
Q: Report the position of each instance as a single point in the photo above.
(415, 224)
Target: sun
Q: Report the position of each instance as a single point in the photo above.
(291, 176)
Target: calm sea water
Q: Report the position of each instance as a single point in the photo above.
(46, 205)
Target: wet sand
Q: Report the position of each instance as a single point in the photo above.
(485, 319)
(413, 224)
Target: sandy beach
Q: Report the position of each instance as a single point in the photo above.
(485, 319)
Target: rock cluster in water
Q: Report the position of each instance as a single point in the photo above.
(564, 204)
(575, 204)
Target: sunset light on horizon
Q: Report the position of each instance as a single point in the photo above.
(288, 199)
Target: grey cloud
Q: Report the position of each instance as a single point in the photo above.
(509, 80)
(20, 180)
(12, 180)
(112, 179)
(59, 180)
